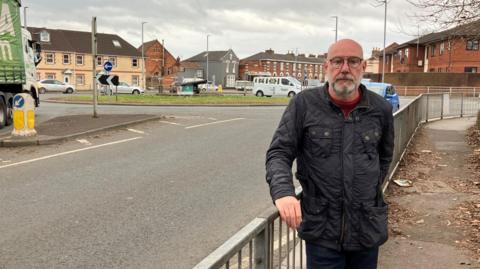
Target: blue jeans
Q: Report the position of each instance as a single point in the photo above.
(324, 258)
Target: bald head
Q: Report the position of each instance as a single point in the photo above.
(345, 48)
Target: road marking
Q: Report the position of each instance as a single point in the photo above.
(69, 152)
(211, 123)
(84, 141)
(136, 131)
(169, 122)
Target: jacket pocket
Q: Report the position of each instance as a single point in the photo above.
(314, 218)
(320, 141)
(373, 226)
(370, 139)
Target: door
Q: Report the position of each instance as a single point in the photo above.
(230, 81)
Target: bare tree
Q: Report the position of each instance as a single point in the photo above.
(447, 13)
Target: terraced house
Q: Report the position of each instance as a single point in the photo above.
(454, 50)
(67, 56)
(269, 63)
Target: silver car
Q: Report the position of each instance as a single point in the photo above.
(122, 88)
(52, 85)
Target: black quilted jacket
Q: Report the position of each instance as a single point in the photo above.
(341, 164)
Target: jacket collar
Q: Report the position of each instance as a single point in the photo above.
(364, 99)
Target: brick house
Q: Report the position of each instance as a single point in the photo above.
(454, 50)
(269, 63)
(222, 66)
(67, 56)
(390, 52)
(158, 60)
(373, 61)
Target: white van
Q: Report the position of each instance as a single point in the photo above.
(276, 86)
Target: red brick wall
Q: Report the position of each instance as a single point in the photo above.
(456, 59)
(154, 57)
(262, 66)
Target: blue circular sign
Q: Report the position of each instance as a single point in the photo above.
(108, 66)
(18, 101)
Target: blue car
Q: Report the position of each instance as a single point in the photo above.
(385, 90)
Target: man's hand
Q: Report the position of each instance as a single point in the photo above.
(290, 212)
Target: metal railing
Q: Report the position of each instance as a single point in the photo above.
(267, 242)
(417, 90)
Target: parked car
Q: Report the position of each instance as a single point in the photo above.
(122, 88)
(276, 86)
(311, 83)
(385, 90)
(208, 87)
(52, 85)
(243, 85)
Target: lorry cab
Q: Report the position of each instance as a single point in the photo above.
(385, 90)
(276, 86)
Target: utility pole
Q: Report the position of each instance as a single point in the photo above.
(94, 58)
(207, 58)
(336, 28)
(384, 40)
(143, 59)
(25, 17)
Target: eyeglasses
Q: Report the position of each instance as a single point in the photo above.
(353, 62)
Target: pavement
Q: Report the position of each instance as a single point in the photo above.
(63, 128)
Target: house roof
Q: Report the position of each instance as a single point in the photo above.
(212, 56)
(270, 55)
(390, 49)
(81, 42)
(190, 65)
(469, 29)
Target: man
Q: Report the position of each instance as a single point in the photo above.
(341, 135)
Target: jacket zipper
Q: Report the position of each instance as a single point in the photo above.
(342, 234)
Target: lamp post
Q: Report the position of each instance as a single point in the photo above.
(143, 59)
(207, 58)
(336, 28)
(384, 40)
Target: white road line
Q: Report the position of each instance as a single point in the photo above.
(136, 131)
(69, 152)
(215, 122)
(168, 122)
(84, 141)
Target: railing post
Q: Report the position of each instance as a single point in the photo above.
(405, 91)
(426, 110)
(441, 108)
(428, 90)
(261, 249)
(461, 108)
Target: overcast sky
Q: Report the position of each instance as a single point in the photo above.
(246, 26)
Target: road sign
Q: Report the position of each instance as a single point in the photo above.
(18, 101)
(108, 66)
(111, 80)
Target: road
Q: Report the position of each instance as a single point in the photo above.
(163, 195)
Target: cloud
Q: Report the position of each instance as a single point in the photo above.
(247, 26)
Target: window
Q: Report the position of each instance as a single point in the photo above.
(50, 75)
(406, 53)
(134, 62)
(116, 43)
(439, 70)
(79, 59)
(281, 66)
(432, 51)
(199, 73)
(50, 58)
(44, 36)
(135, 80)
(285, 81)
(471, 69)
(113, 60)
(99, 60)
(66, 58)
(442, 48)
(272, 81)
(80, 79)
(472, 45)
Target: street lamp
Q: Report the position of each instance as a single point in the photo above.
(384, 40)
(336, 28)
(25, 17)
(207, 57)
(143, 59)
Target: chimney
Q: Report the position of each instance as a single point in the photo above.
(269, 51)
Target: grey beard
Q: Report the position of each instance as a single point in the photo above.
(344, 91)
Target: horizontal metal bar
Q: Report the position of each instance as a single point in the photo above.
(222, 254)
